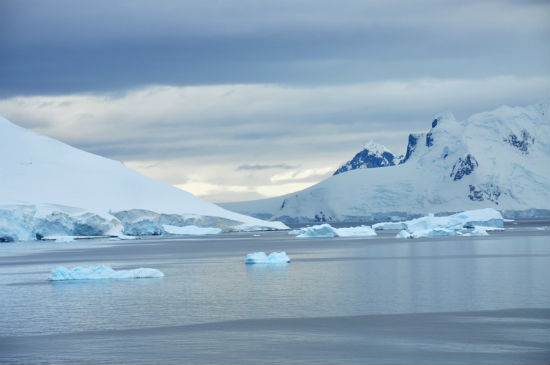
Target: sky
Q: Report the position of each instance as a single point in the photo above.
(242, 99)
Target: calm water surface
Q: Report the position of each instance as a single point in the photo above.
(377, 300)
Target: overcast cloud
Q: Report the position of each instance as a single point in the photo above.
(246, 99)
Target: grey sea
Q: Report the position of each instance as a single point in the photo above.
(450, 300)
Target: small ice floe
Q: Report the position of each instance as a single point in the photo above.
(487, 228)
(262, 258)
(191, 230)
(327, 231)
(256, 235)
(65, 239)
(102, 272)
(435, 232)
(124, 238)
(543, 228)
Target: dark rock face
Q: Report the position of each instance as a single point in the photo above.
(464, 166)
(522, 143)
(366, 160)
(429, 140)
(483, 192)
(322, 218)
(411, 146)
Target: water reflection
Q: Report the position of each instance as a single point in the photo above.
(276, 270)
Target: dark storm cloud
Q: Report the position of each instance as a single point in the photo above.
(59, 46)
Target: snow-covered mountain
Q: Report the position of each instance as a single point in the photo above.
(373, 155)
(44, 182)
(498, 159)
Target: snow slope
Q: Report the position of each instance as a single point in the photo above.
(38, 171)
(498, 159)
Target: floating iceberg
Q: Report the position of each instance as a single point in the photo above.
(65, 239)
(320, 231)
(404, 234)
(327, 231)
(435, 232)
(191, 230)
(487, 228)
(360, 231)
(262, 258)
(102, 272)
(488, 217)
(389, 226)
(431, 226)
(478, 231)
(481, 221)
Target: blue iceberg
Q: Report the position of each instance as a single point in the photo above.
(102, 272)
(262, 258)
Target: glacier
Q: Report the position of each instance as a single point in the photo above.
(497, 159)
(49, 188)
(262, 258)
(35, 222)
(191, 230)
(327, 231)
(61, 273)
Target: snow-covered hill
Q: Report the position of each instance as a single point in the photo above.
(498, 159)
(373, 155)
(43, 180)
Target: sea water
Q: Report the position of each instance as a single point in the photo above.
(341, 300)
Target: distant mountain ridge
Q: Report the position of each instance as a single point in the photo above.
(498, 159)
(373, 155)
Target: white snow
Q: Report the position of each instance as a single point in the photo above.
(262, 258)
(190, 230)
(46, 185)
(327, 231)
(505, 177)
(102, 272)
(375, 148)
(481, 220)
